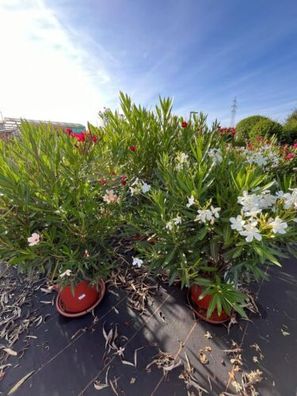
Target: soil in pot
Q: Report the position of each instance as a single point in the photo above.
(79, 299)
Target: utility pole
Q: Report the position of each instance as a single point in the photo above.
(233, 112)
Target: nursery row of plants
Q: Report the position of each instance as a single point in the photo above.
(196, 206)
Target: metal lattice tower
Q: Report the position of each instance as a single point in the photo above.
(233, 112)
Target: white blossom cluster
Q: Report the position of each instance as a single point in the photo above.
(137, 262)
(215, 155)
(174, 222)
(181, 160)
(204, 215)
(208, 215)
(247, 223)
(138, 187)
(264, 157)
(289, 199)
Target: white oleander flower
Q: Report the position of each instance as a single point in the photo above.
(65, 273)
(204, 215)
(135, 188)
(251, 232)
(169, 225)
(145, 187)
(176, 221)
(181, 159)
(290, 199)
(191, 201)
(215, 155)
(267, 200)
(278, 225)
(137, 262)
(279, 194)
(237, 223)
(215, 211)
(208, 215)
(139, 186)
(251, 204)
(34, 239)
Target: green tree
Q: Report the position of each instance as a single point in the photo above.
(266, 127)
(289, 134)
(244, 126)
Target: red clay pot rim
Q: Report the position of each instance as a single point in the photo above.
(201, 316)
(101, 292)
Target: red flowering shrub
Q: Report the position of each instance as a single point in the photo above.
(184, 124)
(290, 156)
(227, 131)
(82, 136)
(132, 148)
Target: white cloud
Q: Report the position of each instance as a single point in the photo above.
(44, 72)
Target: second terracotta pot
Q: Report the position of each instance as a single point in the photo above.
(79, 298)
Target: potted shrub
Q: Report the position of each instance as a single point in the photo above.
(217, 219)
(57, 215)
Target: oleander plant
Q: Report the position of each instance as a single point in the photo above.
(61, 211)
(216, 220)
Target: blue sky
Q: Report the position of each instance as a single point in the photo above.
(68, 59)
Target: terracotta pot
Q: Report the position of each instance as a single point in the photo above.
(196, 291)
(79, 298)
(200, 307)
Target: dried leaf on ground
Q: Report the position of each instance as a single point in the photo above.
(120, 351)
(128, 363)
(114, 386)
(285, 333)
(115, 310)
(256, 347)
(187, 376)
(10, 352)
(254, 376)
(136, 282)
(208, 335)
(202, 357)
(20, 383)
(98, 386)
(17, 312)
(232, 321)
(164, 361)
(135, 355)
(79, 331)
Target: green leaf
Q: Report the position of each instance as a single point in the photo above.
(212, 305)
